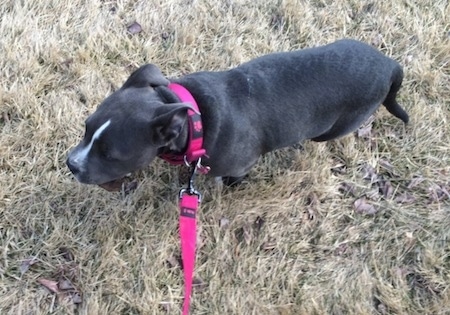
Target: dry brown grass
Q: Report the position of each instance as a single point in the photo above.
(309, 252)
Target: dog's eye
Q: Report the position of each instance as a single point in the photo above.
(104, 151)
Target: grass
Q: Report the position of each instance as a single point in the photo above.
(287, 241)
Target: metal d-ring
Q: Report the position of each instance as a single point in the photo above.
(186, 162)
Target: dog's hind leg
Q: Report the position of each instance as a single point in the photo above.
(390, 101)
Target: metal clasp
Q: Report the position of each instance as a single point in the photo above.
(198, 165)
(190, 189)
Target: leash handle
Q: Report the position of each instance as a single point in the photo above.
(189, 202)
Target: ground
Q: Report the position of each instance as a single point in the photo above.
(359, 225)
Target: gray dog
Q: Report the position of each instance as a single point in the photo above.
(268, 103)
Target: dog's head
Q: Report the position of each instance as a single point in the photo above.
(129, 129)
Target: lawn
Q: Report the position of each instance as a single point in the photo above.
(358, 225)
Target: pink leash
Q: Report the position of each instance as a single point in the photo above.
(188, 209)
(189, 198)
(189, 201)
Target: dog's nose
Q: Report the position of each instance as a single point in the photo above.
(72, 166)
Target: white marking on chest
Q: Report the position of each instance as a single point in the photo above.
(81, 155)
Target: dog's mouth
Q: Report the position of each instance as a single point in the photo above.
(125, 184)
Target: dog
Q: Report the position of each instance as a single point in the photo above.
(268, 103)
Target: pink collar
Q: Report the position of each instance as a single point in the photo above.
(194, 150)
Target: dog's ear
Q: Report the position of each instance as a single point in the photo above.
(168, 122)
(145, 76)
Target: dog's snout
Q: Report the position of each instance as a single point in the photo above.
(72, 166)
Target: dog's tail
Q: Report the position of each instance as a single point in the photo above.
(390, 103)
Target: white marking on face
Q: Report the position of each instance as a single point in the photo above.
(80, 157)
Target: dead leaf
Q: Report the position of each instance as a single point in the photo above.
(6, 117)
(165, 35)
(134, 28)
(362, 206)
(385, 164)
(402, 272)
(130, 187)
(339, 168)
(370, 120)
(69, 271)
(312, 200)
(65, 284)
(370, 173)
(247, 233)
(405, 198)
(269, 245)
(364, 132)
(373, 194)
(76, 297)
(377, 40)
(408, 59)
(415, 181)
(347, 188)
(26, 264)
(386, 188)
(276, 21)
(341, 250)
(67, 62)
(259, 223)
(382, 309)
(173, 262)
(310, 214)
(198, 284)
(410, 239)
(49, 284)
(66, 253)
(438, 193)
(166, 306)
(224, 223)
